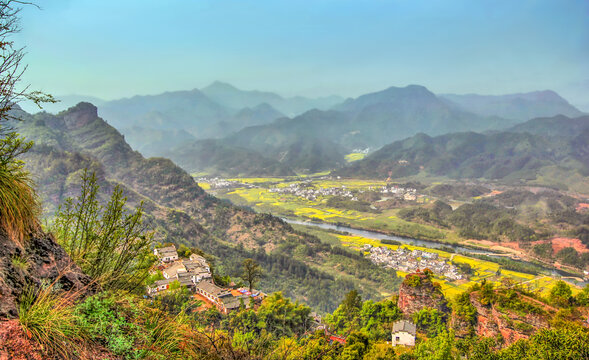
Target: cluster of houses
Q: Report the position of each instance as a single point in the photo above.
(391, 190)
(195, 274)
(410, 261)
(306, 190)
(218, 183)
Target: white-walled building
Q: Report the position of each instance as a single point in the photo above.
(403, 333)
(166, 254)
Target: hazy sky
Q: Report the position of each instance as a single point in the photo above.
(116, 48)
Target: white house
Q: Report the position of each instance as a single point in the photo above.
(173, 270)
(159, 285)
(200, 260)
(403, 333)
(166, 254)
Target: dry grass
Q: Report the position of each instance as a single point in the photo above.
(49, 319)
(18, 203)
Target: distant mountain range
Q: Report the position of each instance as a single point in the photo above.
(548, 151)
(215, 157)
(253, 126)
(232, 97)
(318, 139)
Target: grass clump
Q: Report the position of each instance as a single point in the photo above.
(20, 263)
(18, 201)
(49, 319)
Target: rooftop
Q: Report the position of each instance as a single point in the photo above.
(404, 326)
(212, 289)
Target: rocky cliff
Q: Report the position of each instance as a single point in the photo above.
(493, 320)
(418, 291)
(40, 260)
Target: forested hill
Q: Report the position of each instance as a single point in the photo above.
(557, 160)
(559, 125)
(182, 212)
(216, 157)
(305, 135)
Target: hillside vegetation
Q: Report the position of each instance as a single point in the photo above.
(509, 156)
(182, 212)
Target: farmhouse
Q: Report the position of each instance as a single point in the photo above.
(214, 294)
(173, 270)
(166, 254)
(200, 260)
(403, 333)
(159, 285)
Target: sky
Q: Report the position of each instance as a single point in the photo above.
(120, 48)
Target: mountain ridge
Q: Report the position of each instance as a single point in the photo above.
(504, 155)
(180, 210)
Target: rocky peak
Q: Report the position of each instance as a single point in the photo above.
(418, 291)
(80, 115)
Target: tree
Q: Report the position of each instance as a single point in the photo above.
(252, 272)
(561, 293)
(582, 298)
(357, 344)
(347, 316)
(18, 202)
(111, 244)
(439, 348)
(431, 321)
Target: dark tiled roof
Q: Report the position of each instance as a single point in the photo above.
(211, 288)
(167, 251)
(404, 325)
(231, 302)
(193, 266)
(163, 282)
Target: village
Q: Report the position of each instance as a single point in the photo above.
(307, 190)
(411, 261)
(195, 274)
(219, 183)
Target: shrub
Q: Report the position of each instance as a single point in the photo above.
(413, 280)
(109, 243)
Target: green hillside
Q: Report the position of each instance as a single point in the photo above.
(181, 212)
(508, 156)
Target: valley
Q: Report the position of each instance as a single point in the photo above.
(359, 214)
(320, 180)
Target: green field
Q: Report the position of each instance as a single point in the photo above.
(317, 210)
(351, 157)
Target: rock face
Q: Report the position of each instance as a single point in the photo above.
(80, 115)
(39, 259)
(509, 324)
(417, 292)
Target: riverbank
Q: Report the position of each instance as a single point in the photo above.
(382, 235)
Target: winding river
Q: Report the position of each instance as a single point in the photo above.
(404, 240)
(423, 243)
